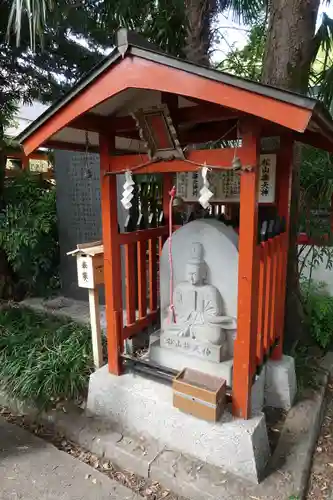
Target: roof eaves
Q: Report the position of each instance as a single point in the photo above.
(81, 84)
(324, 120)
(219, 76)
(135, 44)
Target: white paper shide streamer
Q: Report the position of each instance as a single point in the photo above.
(128, 190)
(205, 193)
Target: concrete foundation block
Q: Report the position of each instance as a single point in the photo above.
(258, 393)
(281, 384)
(133, 453)
(188, 477)
(139, 341)
(144, 407)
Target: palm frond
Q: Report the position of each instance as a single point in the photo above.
(322, 71)
(35, 11)
(246, 11)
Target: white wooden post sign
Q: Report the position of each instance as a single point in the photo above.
(90, 274)
(226, 184)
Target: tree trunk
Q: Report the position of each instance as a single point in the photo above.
(199, 15)
(3, 161)
(6, 276)
(289, 50)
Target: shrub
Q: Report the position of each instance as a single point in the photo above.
(28, 232)
(319, 309)
(43, 358)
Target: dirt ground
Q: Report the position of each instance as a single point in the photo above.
(321, 481)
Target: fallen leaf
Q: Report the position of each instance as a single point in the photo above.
(87, 476)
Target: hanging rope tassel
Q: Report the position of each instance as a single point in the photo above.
(172, 314)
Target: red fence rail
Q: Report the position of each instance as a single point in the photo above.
(141, 255)
(272, 256)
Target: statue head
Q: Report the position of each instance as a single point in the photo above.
(196, 267)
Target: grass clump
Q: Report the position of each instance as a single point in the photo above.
(319, 310)
(43, 358)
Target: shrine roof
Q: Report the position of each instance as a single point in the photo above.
(137, 73)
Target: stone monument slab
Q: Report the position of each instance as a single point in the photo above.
(198, 319)
(191, 347)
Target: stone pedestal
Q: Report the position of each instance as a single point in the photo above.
(178, 360)
(281, 384)
(144, 406)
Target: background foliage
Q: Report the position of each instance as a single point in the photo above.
(318, 304)
(315, 217)
(28, 233)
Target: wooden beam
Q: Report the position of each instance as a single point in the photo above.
(315, 140)
(214, 157)
(171, 100)
(142, 235)
(18, 155)
(91, 122)
(95, 325)
(204, 113)
(248, 279)
(69, 146)
(208, 132)
(9, 173)
(139, 325)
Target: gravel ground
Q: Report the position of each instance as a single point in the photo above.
(321, 480)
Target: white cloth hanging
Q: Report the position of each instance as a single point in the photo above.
(128, 189)
(205, 193)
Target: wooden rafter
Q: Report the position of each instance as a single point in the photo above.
(119, 124)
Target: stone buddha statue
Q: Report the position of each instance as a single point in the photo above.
(198, 306)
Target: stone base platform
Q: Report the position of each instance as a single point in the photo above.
(144, 407)
(177, 360)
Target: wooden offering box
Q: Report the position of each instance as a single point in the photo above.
(199, 394)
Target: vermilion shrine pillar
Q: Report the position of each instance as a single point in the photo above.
(283, 197)
(112, 257)
(248, 275)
